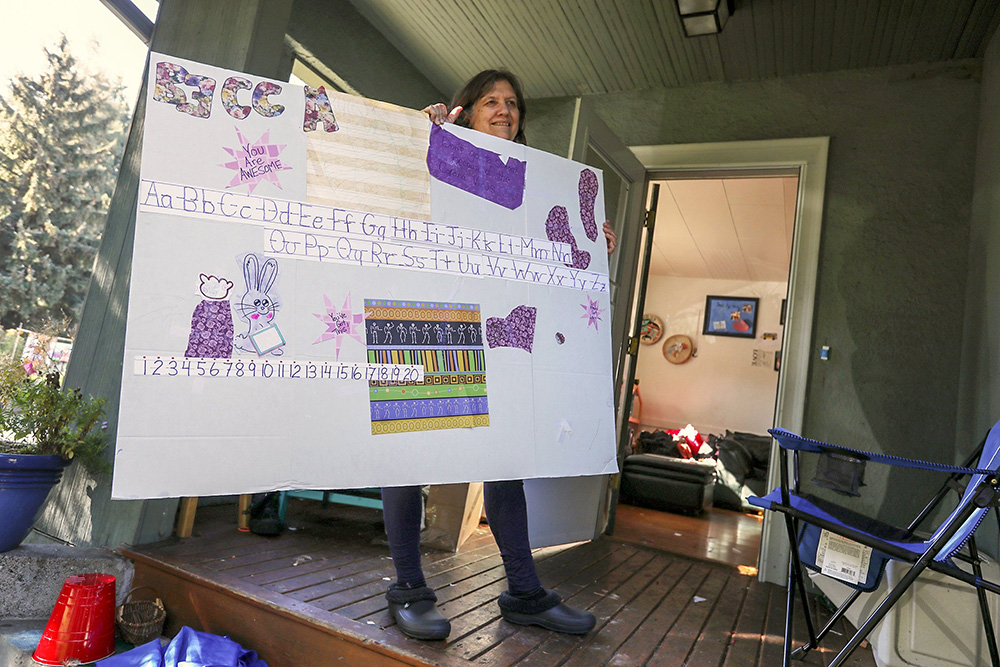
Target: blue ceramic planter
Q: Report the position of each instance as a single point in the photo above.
(25, 482)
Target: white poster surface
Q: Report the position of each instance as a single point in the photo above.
(329, 292)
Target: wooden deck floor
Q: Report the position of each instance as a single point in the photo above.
(315, 595)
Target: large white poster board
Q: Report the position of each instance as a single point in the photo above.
(330, 292)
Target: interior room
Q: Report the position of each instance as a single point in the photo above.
(705, 391)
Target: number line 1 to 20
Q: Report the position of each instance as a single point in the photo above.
(239, 367)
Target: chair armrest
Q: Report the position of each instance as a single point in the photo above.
(795, 442)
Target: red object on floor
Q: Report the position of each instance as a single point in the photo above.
(686, 446)
(683, 448)
(82, 624)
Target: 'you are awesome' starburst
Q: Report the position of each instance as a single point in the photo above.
(592, 311)
(255, 162)
(340, 322)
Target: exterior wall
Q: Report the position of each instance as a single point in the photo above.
(980, 391)
(892, 265)
(550, 124)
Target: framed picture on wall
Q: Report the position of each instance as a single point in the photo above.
(730, 316)
(651, 329)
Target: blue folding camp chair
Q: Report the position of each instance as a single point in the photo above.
(816, 527)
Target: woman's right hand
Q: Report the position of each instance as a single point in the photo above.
(439, 114)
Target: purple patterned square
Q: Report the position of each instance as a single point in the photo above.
(211, 330)
(515, 330)
(475, 170)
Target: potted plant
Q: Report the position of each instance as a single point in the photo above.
(43, 428)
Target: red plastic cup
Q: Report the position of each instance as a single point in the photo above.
(82, 624)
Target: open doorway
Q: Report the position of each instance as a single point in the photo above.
(707, 367)
(555, 515)
(808, 157)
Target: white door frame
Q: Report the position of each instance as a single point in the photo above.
(809, 155)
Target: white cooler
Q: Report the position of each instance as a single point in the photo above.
(935, 624)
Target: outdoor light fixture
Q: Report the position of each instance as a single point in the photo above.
(703, 17)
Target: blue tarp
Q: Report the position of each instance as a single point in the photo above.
(189, 648)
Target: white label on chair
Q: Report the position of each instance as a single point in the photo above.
(841, 558)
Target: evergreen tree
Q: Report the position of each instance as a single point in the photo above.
(62, 136)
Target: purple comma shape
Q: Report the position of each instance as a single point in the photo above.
(515, 330)
(475, 170)
(557, 229)
(588, 195)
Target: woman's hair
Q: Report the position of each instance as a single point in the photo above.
(481, 84)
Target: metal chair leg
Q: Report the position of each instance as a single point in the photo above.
(801, 651)
(796, 574)
(786, 659)
(984, 608)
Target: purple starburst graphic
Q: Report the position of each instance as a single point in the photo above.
(340, 322)
(255, 162)
(593, 311)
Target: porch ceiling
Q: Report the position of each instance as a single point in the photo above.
(731, 229)
(578, 47)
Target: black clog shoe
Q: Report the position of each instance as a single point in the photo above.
(416, 613)
(549, 612)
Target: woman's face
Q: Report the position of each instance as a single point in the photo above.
(496, 112)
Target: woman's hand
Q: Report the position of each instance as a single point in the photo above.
(609, 236)
(439, 114)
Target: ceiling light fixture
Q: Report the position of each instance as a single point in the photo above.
(703, 17)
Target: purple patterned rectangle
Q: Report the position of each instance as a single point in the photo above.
(427, 408)
(475, 170)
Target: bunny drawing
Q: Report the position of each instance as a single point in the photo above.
(257, 305)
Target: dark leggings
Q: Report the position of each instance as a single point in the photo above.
(507, 512)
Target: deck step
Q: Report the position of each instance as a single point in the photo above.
(284, 635)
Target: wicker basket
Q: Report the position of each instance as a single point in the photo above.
(140, 621)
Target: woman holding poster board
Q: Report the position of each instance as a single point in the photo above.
(490, 102)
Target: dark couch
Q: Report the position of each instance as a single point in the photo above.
(668, 483)
(658, 477)
(742, 468)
